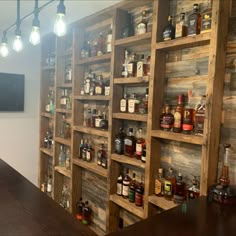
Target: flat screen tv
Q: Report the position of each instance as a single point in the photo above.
(12, 88)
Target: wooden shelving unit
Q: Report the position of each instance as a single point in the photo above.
(128, 160)
(161, 202)
(128, 116)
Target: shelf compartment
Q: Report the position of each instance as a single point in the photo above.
(128, 116)
(91, 166)
(193, 139)
(128, 160)
(69, 85)
(94, 60)
(59, 110)
(47, 151)
(63, 171)
(124, 203)
(92, 131)
(161, 202)
(63, 141)
(136, 40)
(92, 98)
(46, 114)
(185, 42)
(132, 80)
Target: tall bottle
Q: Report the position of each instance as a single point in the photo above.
(169, 30)
(169, 186)
(167, 119)
(101, 44)
(130, 143)
(142, 25)
(68, 159)
(132, 189)
(200, 116)
(140, 142)
(181, 28)
(109, 40)
(125, 73)
(62, 157)
(119, 142)
(126, 183)
(124, 103)
(119, 185)
(132, 66)
(159, 183)
(139, 193)
(87, 212)
(194, 21)
(81, 146)
(79, 209)
(194, 190)
(101, 153)
(178, 115)
(207, 18)
(179, 192)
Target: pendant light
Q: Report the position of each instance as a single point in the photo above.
(4, 47)
(35, 33)
(17, 44)
(60, 25)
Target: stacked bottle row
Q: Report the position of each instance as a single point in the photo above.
(83, 212)
(64, 157)
(65, 101)
(129, 145)
(95, 85)
(172, 188)
(130, 189)
(195, 23)
(87, 153)
(185, 119)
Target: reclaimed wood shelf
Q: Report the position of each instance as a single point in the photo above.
(192, 139)
(99, 25)
(124, 203)
(66, 142)
(47, 151)
(69, 85)
(135, 40)
(63, 171)
(161, 202)
(132, 80)
(94, 60)
(128, 160)
(128, 116)
(59, 110)
(92, 98)
(46, 114)
(93, 131)
(91, 166)
(185, 42)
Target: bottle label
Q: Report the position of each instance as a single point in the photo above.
(98, 90)
(140, 69)
(158, 187)
(206, 22)
(119, 189)
(167, 35)
(107, 90)
(179, 30)
(123, 105)
(177, 120)
(138, 199)
(168, 186)
(87, 87)
(139, 149)
(109, 47)
(88, 156)
(131, 106)
(118, 146)
(63, 101)
(49, 188)
(98, 122)
(192, 26)
(125, 190)
(130, 69)
(128, 142)
(141, 28)
(131, 195)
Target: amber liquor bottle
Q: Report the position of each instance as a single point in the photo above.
(169, 185)
(169, 30)
(142, 25)
(200, 116)
(139, 193)
(178, 115)
(159, 183)
(130, 143)
(140, 142)
(132, 189)
(181, 28)
(167, 119)
(194, 21)
(179, 192)
(126, 183)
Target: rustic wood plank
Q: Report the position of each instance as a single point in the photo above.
(161, 202)
(92, 131)
(93, 98)
(94, 60)
(132, 80)
(63, 171)
(128, 116)
(127, 160)
(47, 151)
(63, 141)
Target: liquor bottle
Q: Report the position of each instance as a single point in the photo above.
(63, 100)
(50, 139)
(194, 21)
(66, 99)
(92, 85)
(169, 30)
(101, 44)
(104, 121)
(98, 119)
(132, 66)
(81, 146)
(67, 131)
(167, 119)
(140, 142)
(133, 104)
(109, 40)
(84, 151)
(179, 192)
(119, 142)
(143, 157)
(107, 87)
(181, 28)
(126, 183)
(123, 103)
(104, 161)
(130, 143)
(194, 190)
(94, 48)
(88, 118)
(206, 18)
(68, 159)
(200, 116)
(132, 189)
(139, 193)
(119, 185)
(141, 67)
(65, 197)
(87, 212)
(84, 53)
(145, 101)
(93, 122)
(49, 186)
(89, 152)
(169, 185)
(99, 86)
(62, 157)
(142, 25)
(159, 183)
(88, 81)
(125, 65)
(128, 30)
(79, 209)
(178, 115)
(68, 74)
(101, 154)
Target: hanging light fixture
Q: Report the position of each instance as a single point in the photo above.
(17, 44)
(60, 25)
(35, 33)
(4, 47)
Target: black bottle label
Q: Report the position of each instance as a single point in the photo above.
(119, 146)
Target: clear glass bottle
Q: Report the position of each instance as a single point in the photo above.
(194, 21)
(140, 142)
(130, 143)
(142, 25)
(169, 30)
(68, 159)
(62, 157)
(119, 184)
(181, 28)
(68, 74)
(159, 183)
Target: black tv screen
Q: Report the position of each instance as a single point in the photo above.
(12, 88)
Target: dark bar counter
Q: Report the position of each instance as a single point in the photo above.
(199, 218)
(26, 211)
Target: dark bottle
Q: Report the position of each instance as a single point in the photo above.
(81, 146)
(89, 152)
(194, 190)
(167, 119)
(101, 44)
(79, 209)
(178, 115)
(200, 116)
(128, 30)
(139, 193)
(179, 193)
(84, 151)
(142, 25)
(104, 122)
(169, 30)
(143, 157)
(130, 142)
(181, 28)
(101, 153)
(87, 212)
(119, 185)
(93, 118)
(188, 115)
(132, 189)
(140, 142)
(194, 21)
(169, 185)
(126, 183)
(119, 142)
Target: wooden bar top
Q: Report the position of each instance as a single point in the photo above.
(26, 211)
(200, 219)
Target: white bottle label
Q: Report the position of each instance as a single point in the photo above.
(141, 28)
(139, 149)
(125, 190)
(119, 189)
(140, 69)
(123, 105)
(49, 188)
(131, 106)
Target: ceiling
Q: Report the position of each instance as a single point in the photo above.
(75, 9)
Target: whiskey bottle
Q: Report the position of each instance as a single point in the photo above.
(132, 66)
(126, 183)
(84, 53)
(169, 30)
(81, 146)
(84, 151)
(125, 65)
(206, 18)
(104, 121)
(133, 104)
(142, 25)
(123, 103)
(167, 119)
(119, 188)
(98, 119)
(169, 185)
(128, 30)
(119, 142)
(178, 115)
(99, 86)
(101, 154)
(101, 44)
(79, 209)
(62, 157)
(68, 159)
(194, 21)
(141, 67)
(65, 197)
(194, 190)
(104, 161)
(200, 116)
(159, 183)
(130, 143)
(140, 142)
(181, 28)
(179, 192)
(143, 157)
(132, 189)
(139, 193)
(109, 40)
(87, 212)
(88, 118)
(94, 119)
(68, 74)
(89, 152)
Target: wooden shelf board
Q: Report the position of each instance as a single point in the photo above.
(128, 116)
(124, 203)
(47, 151)
(135, 40)
(99, 25)
(46, 114)
(69, 85)
(59, 110)
(128, 160)
(161, 202)
(193, 139)
(94, 60)
(185, 42)
(92, 131)
(91, 166)
(93, 98)
(63, 171)
(63, 141)
(132, 80)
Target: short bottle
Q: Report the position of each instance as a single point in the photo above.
(119, 185)
(141, 67)
(142, 25)
(194, 21)
(129, 143)
(68, 159)
(132, 66)
(87, 213)
(181, 28)
(167, 119)
(169, 185)
(119, 142)
(49, 186)
(62, 157)
(178, 115)
(143, 157)
(132, 189)
(169, 30)
(125, 73)
(79, 209)
(159, 183)
(179, 192)
(126, 183)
